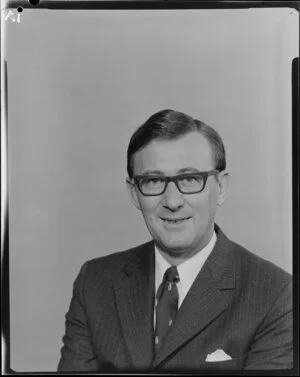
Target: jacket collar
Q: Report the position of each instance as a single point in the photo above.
(135, 303)
(208, 297)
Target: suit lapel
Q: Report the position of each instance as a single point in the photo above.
(208, 297)
(135, 299)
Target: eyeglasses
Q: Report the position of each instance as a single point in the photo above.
(191, 183)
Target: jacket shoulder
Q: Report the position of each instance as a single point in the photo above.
(121, 255)
(110, 265)
(263, 273)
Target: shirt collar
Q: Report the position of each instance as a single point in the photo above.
(187, 270)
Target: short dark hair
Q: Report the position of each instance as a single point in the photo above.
(170, 124)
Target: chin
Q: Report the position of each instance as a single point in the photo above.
(175, 248)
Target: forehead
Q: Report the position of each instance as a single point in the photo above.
(168, 156)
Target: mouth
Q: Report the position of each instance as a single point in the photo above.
(178, 220)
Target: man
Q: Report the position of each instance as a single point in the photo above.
(191, 299)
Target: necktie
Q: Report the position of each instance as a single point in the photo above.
(167, 304)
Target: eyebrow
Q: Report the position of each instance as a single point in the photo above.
(152, 172)
(180, 171)
(189, 170)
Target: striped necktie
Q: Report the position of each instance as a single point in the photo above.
(167, 305)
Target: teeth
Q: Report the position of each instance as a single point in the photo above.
(175, 221)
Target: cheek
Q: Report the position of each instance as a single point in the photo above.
(204, 206)
(149, 209)
(149, 206)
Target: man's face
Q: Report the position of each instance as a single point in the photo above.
(188, 154)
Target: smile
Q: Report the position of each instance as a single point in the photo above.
(175, 221)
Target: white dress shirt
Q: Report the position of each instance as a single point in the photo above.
(187, 270)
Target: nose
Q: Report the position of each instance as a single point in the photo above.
(172, 197)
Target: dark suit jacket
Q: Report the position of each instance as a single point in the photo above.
(239, 303)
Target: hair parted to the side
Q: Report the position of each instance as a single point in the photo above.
(168, 125)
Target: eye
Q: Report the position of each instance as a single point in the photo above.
(151, 181)
(191, 180)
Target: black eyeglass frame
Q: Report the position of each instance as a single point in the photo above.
(175, 178)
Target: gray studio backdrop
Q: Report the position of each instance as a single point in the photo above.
(79, 84)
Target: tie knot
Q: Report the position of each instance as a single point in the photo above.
(171, 274)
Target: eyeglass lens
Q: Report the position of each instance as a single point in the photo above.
(186, 184)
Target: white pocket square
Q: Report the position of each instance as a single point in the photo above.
(218, 355)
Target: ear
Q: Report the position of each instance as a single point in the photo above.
(223, 183)
(131, 188)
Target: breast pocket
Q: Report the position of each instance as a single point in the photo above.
(233, 364)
